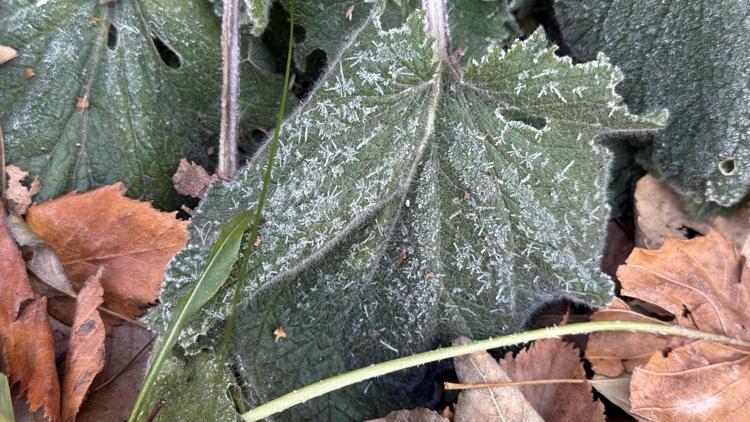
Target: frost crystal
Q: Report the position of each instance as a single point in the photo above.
(409, 205)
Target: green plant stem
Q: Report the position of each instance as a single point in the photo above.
(340, 381)
(258, 218)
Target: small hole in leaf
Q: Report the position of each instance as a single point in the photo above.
(689, 233)
(727, 167)
(112, 37)
(665, 353)
(167, 55)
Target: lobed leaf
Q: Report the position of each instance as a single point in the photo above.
(412, 202)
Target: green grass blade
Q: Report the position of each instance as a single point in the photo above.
(6, 402)
(220, 262)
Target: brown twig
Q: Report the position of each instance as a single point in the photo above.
(457, 386)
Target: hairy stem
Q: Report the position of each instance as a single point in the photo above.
(340, 381)
(258, 217)
(230, 92)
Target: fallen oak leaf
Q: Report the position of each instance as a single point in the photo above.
(701, 381)
(26, 340)
(488, 403)
(85, 356)
(130, 239)
(554, 359)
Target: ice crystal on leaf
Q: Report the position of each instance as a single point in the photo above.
(412, 202)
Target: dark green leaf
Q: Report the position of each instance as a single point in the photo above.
(120, 92)
(691, 57)
(411, 204)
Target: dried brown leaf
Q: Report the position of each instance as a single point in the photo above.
(130, 239)
(7, 54)
(114, 401)
(420, 414)
(19, 196)
(612, 353)
(47, 275)
(191, 179)
(704, 282)
(85, 356)
(554, 359)
(26, 340)
(488, 404)
(661, 213)
(699, 382)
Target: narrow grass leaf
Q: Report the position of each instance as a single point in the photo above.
(6, 403)
(220, 262)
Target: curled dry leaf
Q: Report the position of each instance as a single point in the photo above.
(19, 196)
(191, 179)
(661, 213)
(130, 239)
(554, 359)
(699, 382)
(25, 332)
(85, 356)
(484, 404)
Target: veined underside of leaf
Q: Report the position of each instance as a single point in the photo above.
(121, 92)
(412, 202)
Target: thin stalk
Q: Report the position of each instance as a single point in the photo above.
(258, 218)
(230, 91)
(343, 380)
(457, 386)
(2, 168)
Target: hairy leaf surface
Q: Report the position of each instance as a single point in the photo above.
(691, 57)
(116, 92)
(411, 202)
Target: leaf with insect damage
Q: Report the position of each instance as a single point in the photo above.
(119, 92)
(691, 57)
(413, 200)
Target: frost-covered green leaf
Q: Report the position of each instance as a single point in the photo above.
(477, 23)
(196, 392)
(328, 24)
(691, 57)
(474, 24)
(411, 204)
(119, 92)
(254, 13)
